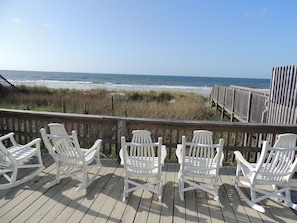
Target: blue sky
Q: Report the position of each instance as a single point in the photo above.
(218, 38)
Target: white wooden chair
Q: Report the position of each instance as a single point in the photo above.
(199, 158)
(71, 160)
(14, 157)
(275, 166)
(142, 159)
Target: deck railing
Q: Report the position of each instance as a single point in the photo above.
(241, 103)
(246, 137)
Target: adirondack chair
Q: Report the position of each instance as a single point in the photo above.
(199, 158)
(275, 167)
(142, 158)
(14, 157)
(71, 160)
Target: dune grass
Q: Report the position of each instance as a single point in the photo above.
(150, 104)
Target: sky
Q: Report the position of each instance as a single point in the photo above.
(215, 38)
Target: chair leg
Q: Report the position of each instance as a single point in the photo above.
(13, 181)
(56, 180)
(181, 186)
(14, 174)
(276, 188)
(216, 192)
(160, 191)
(238, 172)
(39, 158)
(87, 180)
(248, 200)
(253, 194)
(126, 186)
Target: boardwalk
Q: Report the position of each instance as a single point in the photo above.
(102, 201)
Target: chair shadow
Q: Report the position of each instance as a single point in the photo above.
(111, 185)
(231, 199)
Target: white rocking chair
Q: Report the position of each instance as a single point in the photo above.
(15, 157)
(199, 159)
(276, 166)
(142, 158)
(71, 160)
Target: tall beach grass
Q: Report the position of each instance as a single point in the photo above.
(140, 104)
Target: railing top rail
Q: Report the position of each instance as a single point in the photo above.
(264, 92)
(215, 125)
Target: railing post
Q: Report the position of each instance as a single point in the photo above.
(64, 107)
(120, 132)
(248, 115)
(223, 102)
(232, 106)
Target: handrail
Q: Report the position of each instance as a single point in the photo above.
(241, 103)
(246, 137)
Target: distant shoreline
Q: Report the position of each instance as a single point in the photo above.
(110, 87)
(128, 82)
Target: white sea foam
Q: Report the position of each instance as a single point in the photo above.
(110, 86)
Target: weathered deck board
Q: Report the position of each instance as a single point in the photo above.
(102, 201)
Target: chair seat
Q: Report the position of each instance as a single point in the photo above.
(143, 168)
(205, 169)
(23, 154)
(267, 179)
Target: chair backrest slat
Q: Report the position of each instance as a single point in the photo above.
(140, 154)
(61, 145)
(145, 154)
(277, 163)
(201, 155)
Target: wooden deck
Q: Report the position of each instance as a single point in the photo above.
(102, 201)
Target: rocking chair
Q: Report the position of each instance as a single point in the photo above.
(15, 157)
(142, 158)
(199, 159)
(276, 166)
(71, 160)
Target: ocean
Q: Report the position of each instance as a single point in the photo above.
(195, 84)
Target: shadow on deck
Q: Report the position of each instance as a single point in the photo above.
(102, 201)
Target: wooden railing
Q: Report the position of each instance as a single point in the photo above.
(246, 137)
(241, 103)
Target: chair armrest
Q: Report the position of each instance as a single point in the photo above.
(163, 154)
(96, 146)
(242, 160)
(8, 135)
(121, 156)
(178, 152)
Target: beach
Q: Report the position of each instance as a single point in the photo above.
(129, 82)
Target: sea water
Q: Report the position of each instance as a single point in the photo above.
(195, 84)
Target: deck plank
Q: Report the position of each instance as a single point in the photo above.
(168, 206)
(113, 196)
(72, 202)
(230, 202)
(102, 201)
(179, 214)
(156, 206)
(88, 196)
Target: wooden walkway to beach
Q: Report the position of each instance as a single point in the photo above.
(102, 201)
